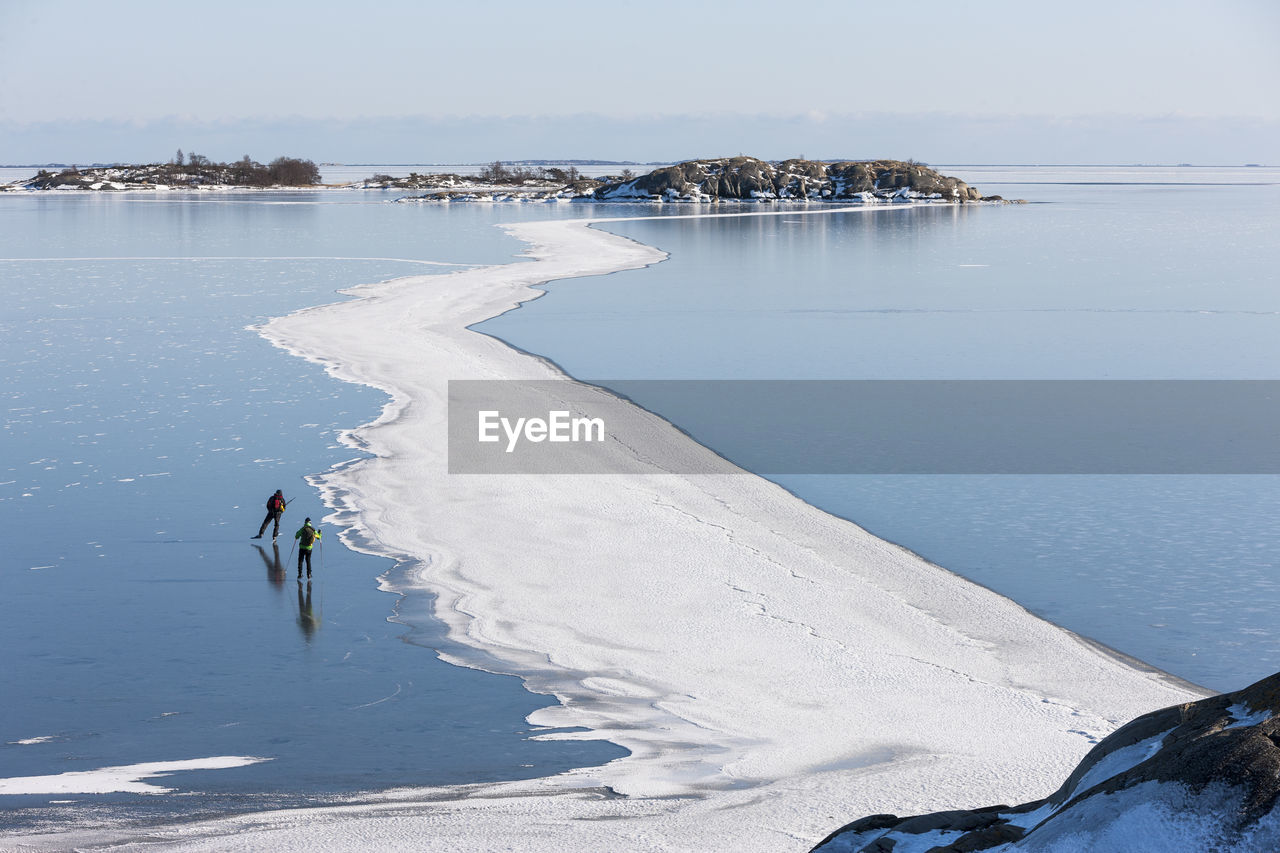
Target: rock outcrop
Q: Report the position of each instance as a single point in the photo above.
(1204, 776)
(746, 178)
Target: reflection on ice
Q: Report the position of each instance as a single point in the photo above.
(308, 619)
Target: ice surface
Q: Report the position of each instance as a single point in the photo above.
(772, 669)
(124, 779)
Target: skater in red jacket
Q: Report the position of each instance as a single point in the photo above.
(275, 508)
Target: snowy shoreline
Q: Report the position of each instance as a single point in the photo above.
(772, 669)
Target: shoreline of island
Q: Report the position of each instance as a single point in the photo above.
(738, 179)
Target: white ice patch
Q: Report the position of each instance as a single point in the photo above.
(1244, 717)
(125, 779)
(31, 741)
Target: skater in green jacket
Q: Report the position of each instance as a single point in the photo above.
(307, 537)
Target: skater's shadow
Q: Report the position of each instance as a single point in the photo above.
(275, 565)
(307, 618)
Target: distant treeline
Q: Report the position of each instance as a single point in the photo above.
(191, 170)
(287, 171)
(498, 173)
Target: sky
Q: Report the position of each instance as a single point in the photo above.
(383, 82)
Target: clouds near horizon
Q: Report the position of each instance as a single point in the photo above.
(940, 77)
(932, 137)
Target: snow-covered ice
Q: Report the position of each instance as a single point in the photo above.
(32, 741)
(129, 778)
(772, 669)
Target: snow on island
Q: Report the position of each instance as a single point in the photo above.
(737, 179)
(193, 173)
(740, 179)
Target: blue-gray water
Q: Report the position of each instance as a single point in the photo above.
(1150, 274)
(144, 428)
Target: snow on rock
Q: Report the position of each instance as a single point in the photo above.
(746, 178)
(1244, 716)
(1200, 776)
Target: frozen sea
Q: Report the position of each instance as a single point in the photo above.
(146, 425)
(1110, 273)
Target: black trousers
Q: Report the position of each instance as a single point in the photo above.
(272, 514)
(304, 553)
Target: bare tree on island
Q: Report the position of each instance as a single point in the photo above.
(291, 171)
(242, 171)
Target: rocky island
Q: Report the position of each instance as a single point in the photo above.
(717, 180)
(726, 179)
(746, 178)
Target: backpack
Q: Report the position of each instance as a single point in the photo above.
(308, 536)
(275, 503)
